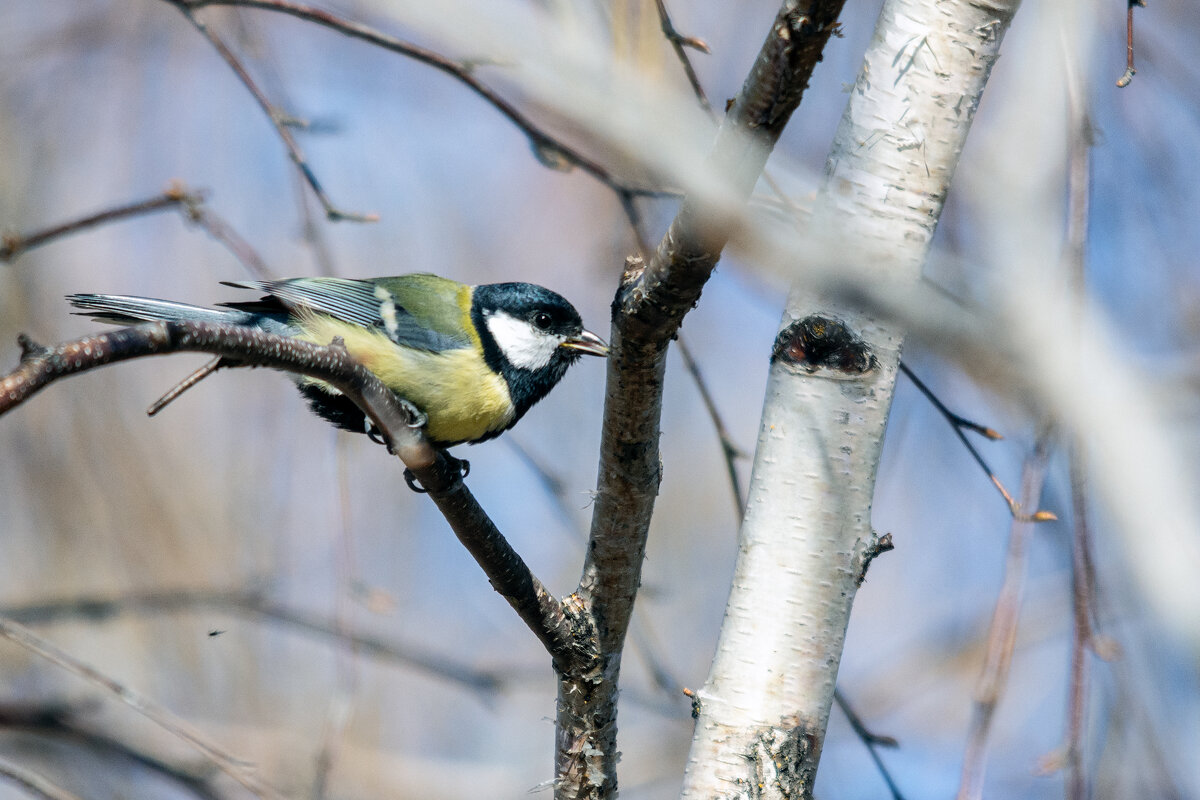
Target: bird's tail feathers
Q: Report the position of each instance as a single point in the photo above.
(125, 310)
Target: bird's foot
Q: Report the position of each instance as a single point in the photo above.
(416, 419)
(458, 465)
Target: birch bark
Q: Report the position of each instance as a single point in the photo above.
(806, 538)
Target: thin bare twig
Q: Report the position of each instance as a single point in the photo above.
(231, 765)
(1082, 594)
(272, 81)
(277, 118)
(729, 448)
(549, 150)
(730, 451)
(1002, 635)
(187, 383)
(13, 245)
(959, 423)
(873, 742)
(190, 202)
(678, 43)
(341, 702)
(203, 217)
(644, 642)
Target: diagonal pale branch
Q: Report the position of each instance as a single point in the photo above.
(35, 785)
(59, 720)
(97, 608)
(236, 768)
(436, 472)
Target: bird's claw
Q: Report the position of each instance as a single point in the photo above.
(459, 465)
(411, 480)
(416, 417)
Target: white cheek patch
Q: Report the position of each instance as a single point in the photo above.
(522, 344)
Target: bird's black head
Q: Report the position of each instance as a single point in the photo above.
(530, 336)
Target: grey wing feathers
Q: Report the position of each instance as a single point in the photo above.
(356, 302)
(350, 300)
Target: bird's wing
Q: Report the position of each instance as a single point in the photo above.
(422, 311)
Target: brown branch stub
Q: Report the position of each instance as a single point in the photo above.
(1127, 78)
(29, 348)
(819, 342)
(875, 548)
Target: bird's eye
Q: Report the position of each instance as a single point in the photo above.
(542, 320)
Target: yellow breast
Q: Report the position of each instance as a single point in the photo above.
(463, 399)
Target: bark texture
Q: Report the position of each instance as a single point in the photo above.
(807, 536)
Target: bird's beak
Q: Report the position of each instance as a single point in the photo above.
(587, 342)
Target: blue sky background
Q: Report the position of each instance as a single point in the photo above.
(235, 486)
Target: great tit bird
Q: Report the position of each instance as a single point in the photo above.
(473, 359)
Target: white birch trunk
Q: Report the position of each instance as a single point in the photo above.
(807, 531)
